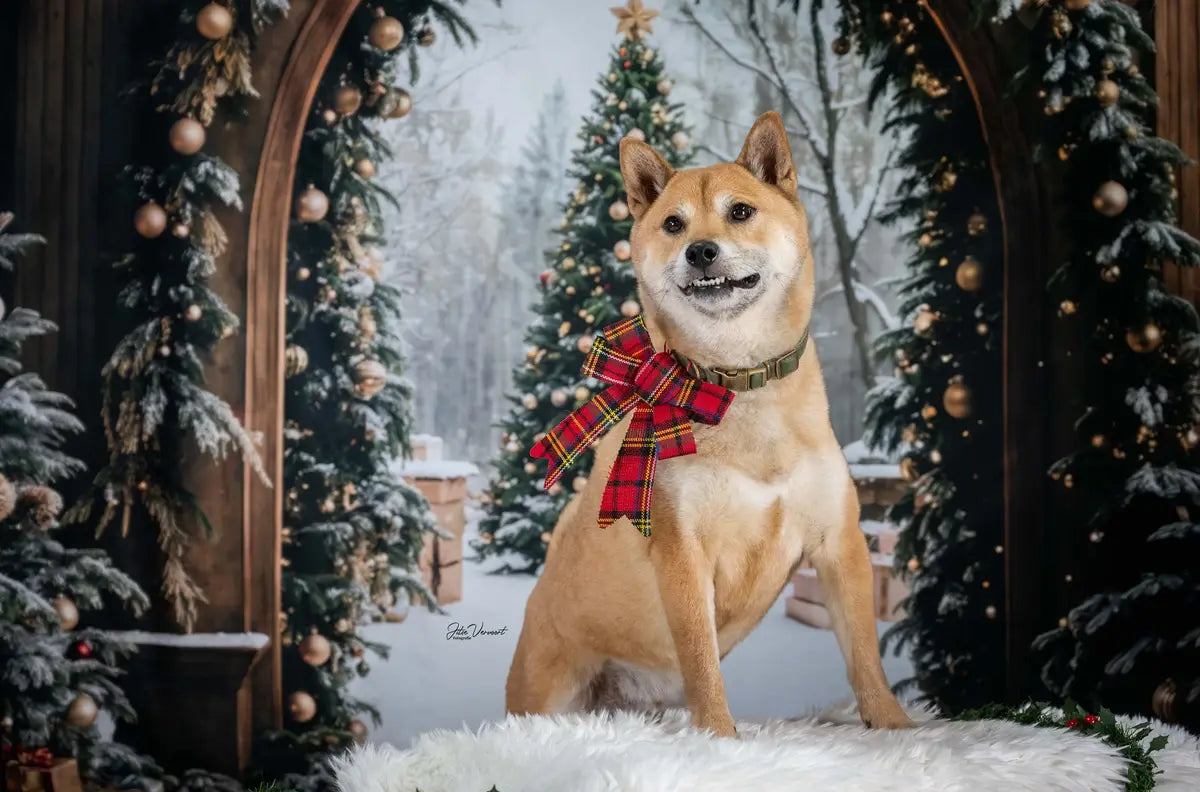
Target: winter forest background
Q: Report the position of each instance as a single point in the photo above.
(480, 178)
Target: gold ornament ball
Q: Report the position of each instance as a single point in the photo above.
(977, 224)
(623, 250)
(150, 220)
(558, 397)
(329, 116)
(584, 343)
(969, 275)
(1111, 199)
(957, 400)
(181, 231)
(186, 136)
(913, 564)
(302, 707)
(530, 468)
(630, 309)
(664, 86)
(386, 33)
(214, 21)
(1110, 274)
(426, 37)
(923, 322)
(1108, 92)
(530, 401)
(619, 210)
(295, 360)
(1145, 339)
(556, 488)
(304, 273)
(365, 168)
(929, 412)
(990, 611)
(193, 313)
(347, 99)
(68, 613)
(370, 377)
(579, 483)
(568, 263)
(582, 394)
(358, 730)
(680, 141)
(1099, 441)
(841, 46)
(1067, 307)
(404, 103)
(312, 206)
(636, 134)
(315, 649)
(83, 711)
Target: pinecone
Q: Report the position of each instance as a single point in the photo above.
(8, 497)
(43, 504)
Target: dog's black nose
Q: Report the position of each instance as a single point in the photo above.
(701, 254)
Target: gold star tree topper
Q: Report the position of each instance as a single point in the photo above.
(633, 19)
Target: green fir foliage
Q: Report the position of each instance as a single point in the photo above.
(951, 541)
(583, 290)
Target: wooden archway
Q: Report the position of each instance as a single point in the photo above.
(289, 84)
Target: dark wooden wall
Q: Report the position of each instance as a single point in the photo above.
(1177, 77)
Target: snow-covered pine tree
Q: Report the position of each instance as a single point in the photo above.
(55, 677)
(589, 284)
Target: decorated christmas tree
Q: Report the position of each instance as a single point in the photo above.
(589, 284)
(353, 528)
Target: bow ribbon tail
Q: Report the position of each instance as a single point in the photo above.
(630, 481)
(564, 444)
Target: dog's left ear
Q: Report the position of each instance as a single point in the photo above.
(645, 173)
(768, 155)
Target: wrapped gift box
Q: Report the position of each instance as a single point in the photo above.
(61, 776)
(444, 484)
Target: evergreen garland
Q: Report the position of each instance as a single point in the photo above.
(942, 406)
(155, 402)
(353, 529)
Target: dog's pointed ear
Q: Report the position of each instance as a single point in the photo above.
(645, 173)
(768, 155)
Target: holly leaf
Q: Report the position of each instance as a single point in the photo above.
(1108, 718)
(1158, 743)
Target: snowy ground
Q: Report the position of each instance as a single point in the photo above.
(782, 669)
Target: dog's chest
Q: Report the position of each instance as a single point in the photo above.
(757, 501)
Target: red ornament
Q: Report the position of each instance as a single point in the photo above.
(82, 650)
(599, 139)
(1091, 719)
(627, 64)
(545, 276)
(1071, 724)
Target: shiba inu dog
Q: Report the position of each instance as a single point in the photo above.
(619, 620)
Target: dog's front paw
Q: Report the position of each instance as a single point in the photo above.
(884, 712)
(720, 724)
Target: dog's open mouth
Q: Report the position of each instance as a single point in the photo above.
(718, 286)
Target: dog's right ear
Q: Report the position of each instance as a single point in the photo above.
(645, 173)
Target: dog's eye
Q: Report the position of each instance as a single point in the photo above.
(741, 212)
(672, 225)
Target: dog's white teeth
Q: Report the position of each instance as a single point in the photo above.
(707, 283)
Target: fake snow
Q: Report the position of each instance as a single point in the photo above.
(245, 641)
(782, 669)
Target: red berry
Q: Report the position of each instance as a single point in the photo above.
(82, 650)
(1092, 719)
(627, 64)
(1071, 724)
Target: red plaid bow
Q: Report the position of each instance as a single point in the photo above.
(28, 757)
(664, 400)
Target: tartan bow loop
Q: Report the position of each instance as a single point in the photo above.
(664, 401)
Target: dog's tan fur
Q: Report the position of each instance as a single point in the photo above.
(619, 620)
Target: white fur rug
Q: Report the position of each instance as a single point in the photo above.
(830, 752)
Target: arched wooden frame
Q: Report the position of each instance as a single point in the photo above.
(1026, 446)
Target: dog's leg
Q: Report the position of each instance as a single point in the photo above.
(843, 566)
(686, 591)
(547, 673)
